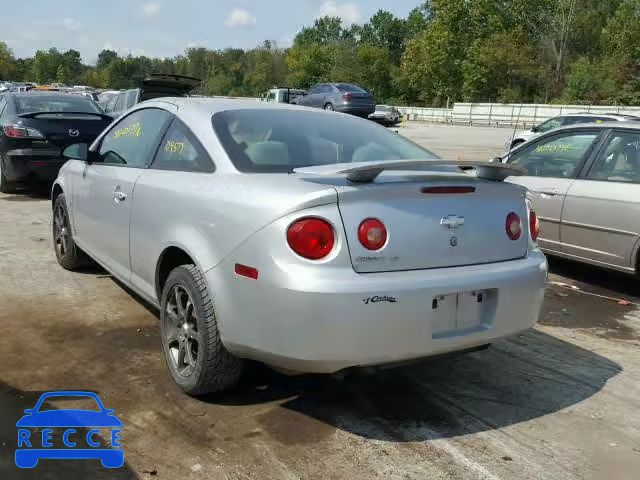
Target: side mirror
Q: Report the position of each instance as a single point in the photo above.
(535, 129)
(29, 411)
(77, 151)
(495, 160)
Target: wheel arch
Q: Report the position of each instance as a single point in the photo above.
(170, 258)
(56, 191)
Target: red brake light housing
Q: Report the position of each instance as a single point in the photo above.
(372, 234)
(513, 226)
(17, 131)
(347, 97)
(311, 238)
(534, 225)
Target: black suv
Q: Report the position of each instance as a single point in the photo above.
(153, 86)
(34, 129)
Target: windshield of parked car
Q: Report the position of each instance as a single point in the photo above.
(346, 87)
(56, 103)
(274, 140)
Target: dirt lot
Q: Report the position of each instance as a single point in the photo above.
(559, 402)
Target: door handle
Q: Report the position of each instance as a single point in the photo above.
(548, 191)
(119, 196)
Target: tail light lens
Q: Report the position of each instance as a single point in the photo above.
(17, 131)
(534, 225)
(372, 234)
(347, 97)
(311, 238)
(513, 226)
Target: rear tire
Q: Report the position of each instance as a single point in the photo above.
(69, 256)
(197, 360)
(5, 185)
(329, 107)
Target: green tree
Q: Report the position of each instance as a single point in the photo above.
(62, 74)
(7, 62)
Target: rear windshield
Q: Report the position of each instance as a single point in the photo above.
(58, 103)
(274, 140)
(346, 87)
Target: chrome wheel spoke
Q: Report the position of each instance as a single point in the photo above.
(181, 328)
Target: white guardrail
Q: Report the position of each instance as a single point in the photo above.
(505, 115)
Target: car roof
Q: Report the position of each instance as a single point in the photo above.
(212, 105)
(593, 114)
(603, 126)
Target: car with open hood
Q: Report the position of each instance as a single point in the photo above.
(152, 86)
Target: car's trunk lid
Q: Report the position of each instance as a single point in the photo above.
(66, 128)
(433, 219)
(165, 85)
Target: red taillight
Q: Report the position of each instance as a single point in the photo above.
(16, 131)
(513, 226)
(534, 225)
(372, 234)
(245, 271)
(347, 97)
(311, 238)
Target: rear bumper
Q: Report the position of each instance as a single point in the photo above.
(32, 164)
(358, 110)
(309, 324)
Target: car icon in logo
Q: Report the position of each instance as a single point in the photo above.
(29, 441)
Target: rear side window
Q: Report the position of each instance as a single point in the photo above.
(619, 160)
(550, 124)
(347, 87)
(134, 139)
(181, 151)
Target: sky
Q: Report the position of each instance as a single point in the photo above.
(165, 28)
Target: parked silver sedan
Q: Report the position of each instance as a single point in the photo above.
(584, 182)
(308, 240)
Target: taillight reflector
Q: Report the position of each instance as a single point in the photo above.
(513, 226)
(534, 225)
(311, 238)
(17, 131)
(447, 190)
(347, 96)
(372, 234)
(245, 271)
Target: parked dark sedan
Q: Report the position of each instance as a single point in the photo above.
(36, 127)
(341, 97)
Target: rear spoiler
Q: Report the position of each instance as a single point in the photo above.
(367, 172)
(103, 116)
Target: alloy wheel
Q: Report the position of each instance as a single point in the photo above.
(181, 331)
(60, 231)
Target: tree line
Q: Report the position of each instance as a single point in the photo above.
(577, 51)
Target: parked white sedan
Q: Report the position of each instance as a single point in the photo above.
(309, 240)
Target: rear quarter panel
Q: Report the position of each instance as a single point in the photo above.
(207, 215)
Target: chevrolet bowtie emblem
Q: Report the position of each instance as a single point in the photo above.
(452, 221)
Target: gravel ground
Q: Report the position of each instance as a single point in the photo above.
(558, 402)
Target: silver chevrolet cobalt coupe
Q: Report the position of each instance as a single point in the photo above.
(311, 241)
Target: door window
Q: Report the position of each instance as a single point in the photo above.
(556, 156)
(133, 140)
(181, 151)
(550, 124)
(119, 106)
(132, 96)
(618, 161)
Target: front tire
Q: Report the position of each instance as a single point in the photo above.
(5, 185)
(69, 256)
(197, 360)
